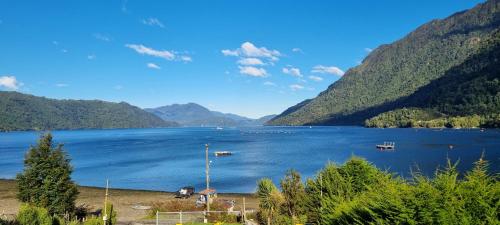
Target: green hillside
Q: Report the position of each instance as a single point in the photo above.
(27, 112)
(391, 74)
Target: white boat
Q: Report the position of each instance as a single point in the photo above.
(219, 128)
(223, 153)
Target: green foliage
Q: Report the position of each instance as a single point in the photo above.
(408, 73)
(32, 215)
(93, 221)
(359, 193)
(46, 178)
(110, 213)
(294, 194)
(270, 200)
(26, 112)
(427, 118)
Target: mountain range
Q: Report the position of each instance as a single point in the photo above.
(27, 112)
(192, 114)
(449, 66)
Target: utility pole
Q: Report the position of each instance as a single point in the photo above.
(207, 170)
(105, 217)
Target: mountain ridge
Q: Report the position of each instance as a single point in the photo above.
(20, 111)
(192, 114)
(397, 70)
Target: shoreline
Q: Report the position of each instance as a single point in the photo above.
(123, 199)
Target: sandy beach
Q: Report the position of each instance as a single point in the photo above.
(123, 200)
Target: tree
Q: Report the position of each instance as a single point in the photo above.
(294, 194)
(46, 178)
(270, 199)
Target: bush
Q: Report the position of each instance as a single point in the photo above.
(32, 215)
(46, 178)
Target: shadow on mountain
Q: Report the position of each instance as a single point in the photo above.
(472, 87)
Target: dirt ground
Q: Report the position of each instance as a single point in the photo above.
(123, 200)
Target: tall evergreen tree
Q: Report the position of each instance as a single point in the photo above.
(46, 179)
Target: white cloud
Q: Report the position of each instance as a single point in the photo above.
(292, 71)
(269, 83)
(141, 49)
(101, 37)
(253, 71)
(327, 69)
(91, 57)
(61, 85)
(64, 50)
(153, 66)
(315, 78)
(228, 52)
(153, 22)
(296, 87)
(297, 50)
(250, 61)
(186, 58)
(10, 82)
(368, 50)
(248, 49)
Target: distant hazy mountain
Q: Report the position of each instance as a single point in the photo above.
(192, 114)
(27, 112)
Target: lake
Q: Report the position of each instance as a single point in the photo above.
(168, 158)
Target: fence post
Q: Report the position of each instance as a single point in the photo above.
(157, 218)
(180, 215)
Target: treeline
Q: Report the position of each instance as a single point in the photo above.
(27, 112)
(428, 118)
(359, 193)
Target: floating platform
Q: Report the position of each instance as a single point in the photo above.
(386, 146)
(222, 153)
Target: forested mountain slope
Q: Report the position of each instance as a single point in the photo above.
(394, 72)
(27, 112)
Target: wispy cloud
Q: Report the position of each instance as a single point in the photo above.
(327, 69)
(153, 22)
(269, 83)
(253, 71)
(61, 85)
(101, 37)
(296, 87)
(64, 50)
(297, 50)
(118, 87)
(292, 71)
(10, 83)
(368, 50)
(250, 62)
(91, 57)
(143, 50)
(153, 66)
(186, 58)
(315, 78)
(55, 43)
(248, 49)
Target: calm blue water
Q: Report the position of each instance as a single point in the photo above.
(166, 159)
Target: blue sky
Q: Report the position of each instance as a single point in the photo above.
(251, 58)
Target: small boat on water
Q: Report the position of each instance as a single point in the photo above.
(222, 153)
(219, 128)
(386, 146)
